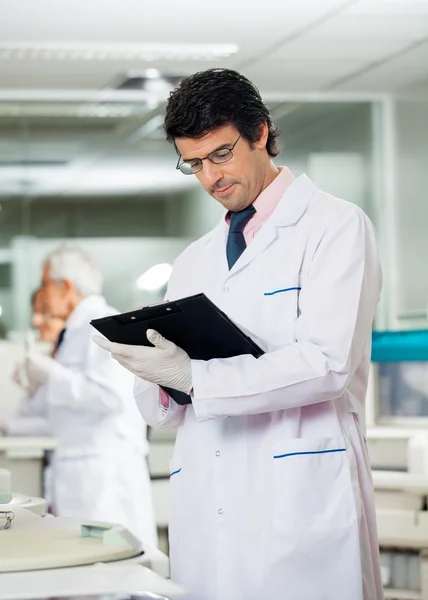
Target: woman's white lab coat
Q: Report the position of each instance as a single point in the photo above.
(99, 469)
(270, 480)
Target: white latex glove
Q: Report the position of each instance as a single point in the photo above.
(19, 375)
(166, 364)
(39, 368)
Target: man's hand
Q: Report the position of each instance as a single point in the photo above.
(166, 364)
(20, 377)
(39, 368)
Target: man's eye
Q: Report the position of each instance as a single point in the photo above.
(220, 154)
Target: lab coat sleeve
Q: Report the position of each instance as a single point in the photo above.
(30, 419)
(337, 302)
(148, 399)
(96, 382)
(28, 426)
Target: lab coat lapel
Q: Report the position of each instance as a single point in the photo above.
(289, 211)
(216, 252)
(264, 237)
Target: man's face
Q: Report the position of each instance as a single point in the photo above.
(237, 182)
(49, 327)
(38, 316)
(56, 296)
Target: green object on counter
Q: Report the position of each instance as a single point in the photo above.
(111, 535)
(94, 530)
(5, 497)
(400, 346)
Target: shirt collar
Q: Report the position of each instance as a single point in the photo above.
(266, 202)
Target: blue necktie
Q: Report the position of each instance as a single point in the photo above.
(236, 242)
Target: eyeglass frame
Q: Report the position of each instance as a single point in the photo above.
(208, 157)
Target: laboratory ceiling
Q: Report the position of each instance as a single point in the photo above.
(81, 100)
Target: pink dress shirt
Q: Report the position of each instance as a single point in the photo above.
(264, 204)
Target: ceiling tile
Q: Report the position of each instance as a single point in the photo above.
(316, 47)
(390, 7)
(141, 21)
(402, 71)
(298, 75)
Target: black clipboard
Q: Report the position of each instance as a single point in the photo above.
(194, 323)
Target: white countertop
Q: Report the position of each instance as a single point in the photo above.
(115, 578)
(23, 443)
(395, 433)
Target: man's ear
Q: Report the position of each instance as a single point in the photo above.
(68, 285)
(263, 136)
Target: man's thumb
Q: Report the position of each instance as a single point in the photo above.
(157, 339)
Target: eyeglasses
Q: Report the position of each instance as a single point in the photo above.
(217, 157)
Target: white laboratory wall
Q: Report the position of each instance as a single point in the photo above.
(121, 260)
(411, 211)
(6, 304)
(342, 174)
(334, 148)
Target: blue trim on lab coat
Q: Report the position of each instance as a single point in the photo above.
(292, 289)
(314, 452)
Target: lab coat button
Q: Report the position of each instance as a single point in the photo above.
(226, 288)
(217, 453)
(220, 511)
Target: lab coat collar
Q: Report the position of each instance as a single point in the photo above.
(84, 311)
(294, 202)
(289, 211)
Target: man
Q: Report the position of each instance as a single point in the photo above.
(99, 469)
(270, 480)
(30, 419)
(49, 327)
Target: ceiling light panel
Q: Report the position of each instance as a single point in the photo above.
(65, 51)
(63, 109)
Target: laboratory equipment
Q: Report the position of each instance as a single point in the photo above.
(397, 440)
(401, 363)
(25, 457)
(14, 503)
(45, 556)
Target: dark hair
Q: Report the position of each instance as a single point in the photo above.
(210, 99)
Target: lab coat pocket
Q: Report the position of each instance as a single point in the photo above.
(175, 500)
(312, 485)
(280, 311)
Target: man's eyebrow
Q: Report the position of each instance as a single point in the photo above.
(225, 145)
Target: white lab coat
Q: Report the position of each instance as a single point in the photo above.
(271, 485)
(30, 419)
(99, 469)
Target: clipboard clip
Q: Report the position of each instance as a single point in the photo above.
(156, 304)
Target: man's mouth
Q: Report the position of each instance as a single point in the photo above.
(224, 191)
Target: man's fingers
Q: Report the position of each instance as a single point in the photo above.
(116, 349)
